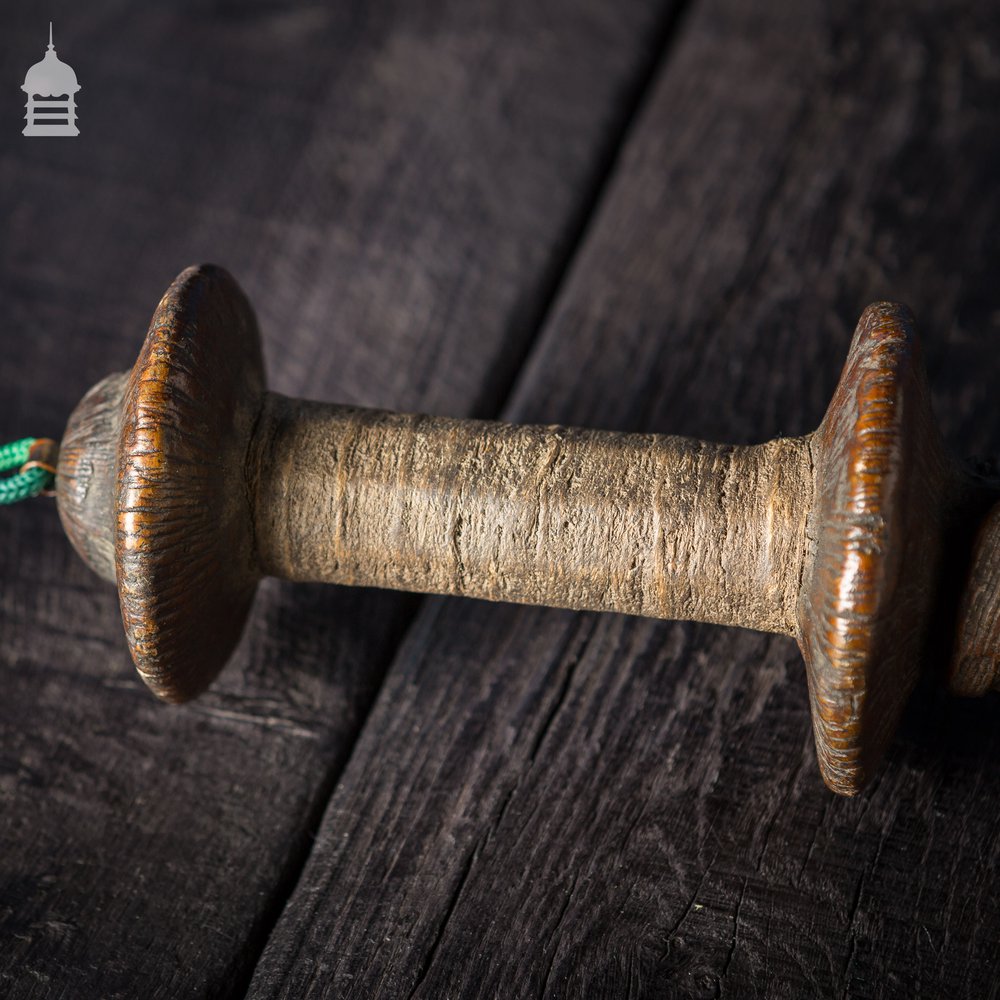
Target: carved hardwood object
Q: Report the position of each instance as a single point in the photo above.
(185, 481)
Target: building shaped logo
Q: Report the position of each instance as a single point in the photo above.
(51, 88)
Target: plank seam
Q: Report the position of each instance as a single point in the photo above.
(665, 35)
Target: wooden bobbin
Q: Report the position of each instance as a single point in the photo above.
(185, 481)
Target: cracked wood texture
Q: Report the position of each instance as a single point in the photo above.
(398, 187)
(549, 804)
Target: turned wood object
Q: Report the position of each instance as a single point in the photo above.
(186, 482)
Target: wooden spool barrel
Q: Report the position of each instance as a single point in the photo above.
(185, 481)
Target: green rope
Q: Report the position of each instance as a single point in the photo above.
(25, 484)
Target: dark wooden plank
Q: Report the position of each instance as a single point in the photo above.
(395, 185)
(546, 804)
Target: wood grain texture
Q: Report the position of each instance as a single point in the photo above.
(547, 804)
(384, 179)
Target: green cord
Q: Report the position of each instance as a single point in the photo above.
(25, 484)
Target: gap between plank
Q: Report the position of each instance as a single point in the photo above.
(498, 391)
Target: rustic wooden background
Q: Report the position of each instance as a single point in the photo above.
(635, 214)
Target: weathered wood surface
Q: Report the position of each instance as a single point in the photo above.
(548, 804)
(397, 186)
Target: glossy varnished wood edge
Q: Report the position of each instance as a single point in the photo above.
(881, 484)
(183, 533)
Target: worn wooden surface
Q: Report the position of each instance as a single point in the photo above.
(540, 803)
(398, 187)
